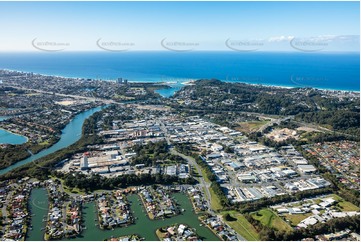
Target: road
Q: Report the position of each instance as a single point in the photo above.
(205, 185)
(193, 163)
(90, 99)
(274, 121)
(318, 127)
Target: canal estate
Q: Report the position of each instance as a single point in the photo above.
(143, 226)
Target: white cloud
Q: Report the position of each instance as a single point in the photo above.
(280, 38)
(329, 38)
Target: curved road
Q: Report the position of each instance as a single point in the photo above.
(205, 185)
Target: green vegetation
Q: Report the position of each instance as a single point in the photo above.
(296, 218)
(308, 105)
(228, 217)
(36, 148)
(344, 205)
(248, 127)
(68, 190)
(331, 226)
(270, 219)
(215, 201)
(340, 120)
(240, 224)
(265, 202)
(12, 154)
(350, 195)
(153, 153)
(220, 199)
(96, 182)
(41, 168)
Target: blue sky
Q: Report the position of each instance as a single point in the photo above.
(117, 26)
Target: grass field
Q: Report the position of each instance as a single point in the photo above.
(270, 219)
(247, 127)
(68, 189)
(344, 205)
(204, 175)
(215, 203)
(347, 206)
(242, 226)
(296, 218)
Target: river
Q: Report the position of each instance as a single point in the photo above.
(70, 134)
(168, 92)
(143, 225)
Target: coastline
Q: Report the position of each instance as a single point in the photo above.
(291, 87)
(186, 83)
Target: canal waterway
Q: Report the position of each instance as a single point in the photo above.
(38, 208)
(143, 225)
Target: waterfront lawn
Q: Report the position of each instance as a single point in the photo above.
(242, 226)
(271, 220)
(160, 235)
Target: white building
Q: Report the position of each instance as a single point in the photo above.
(84, 165)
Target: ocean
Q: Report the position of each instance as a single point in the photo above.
(335, 71)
